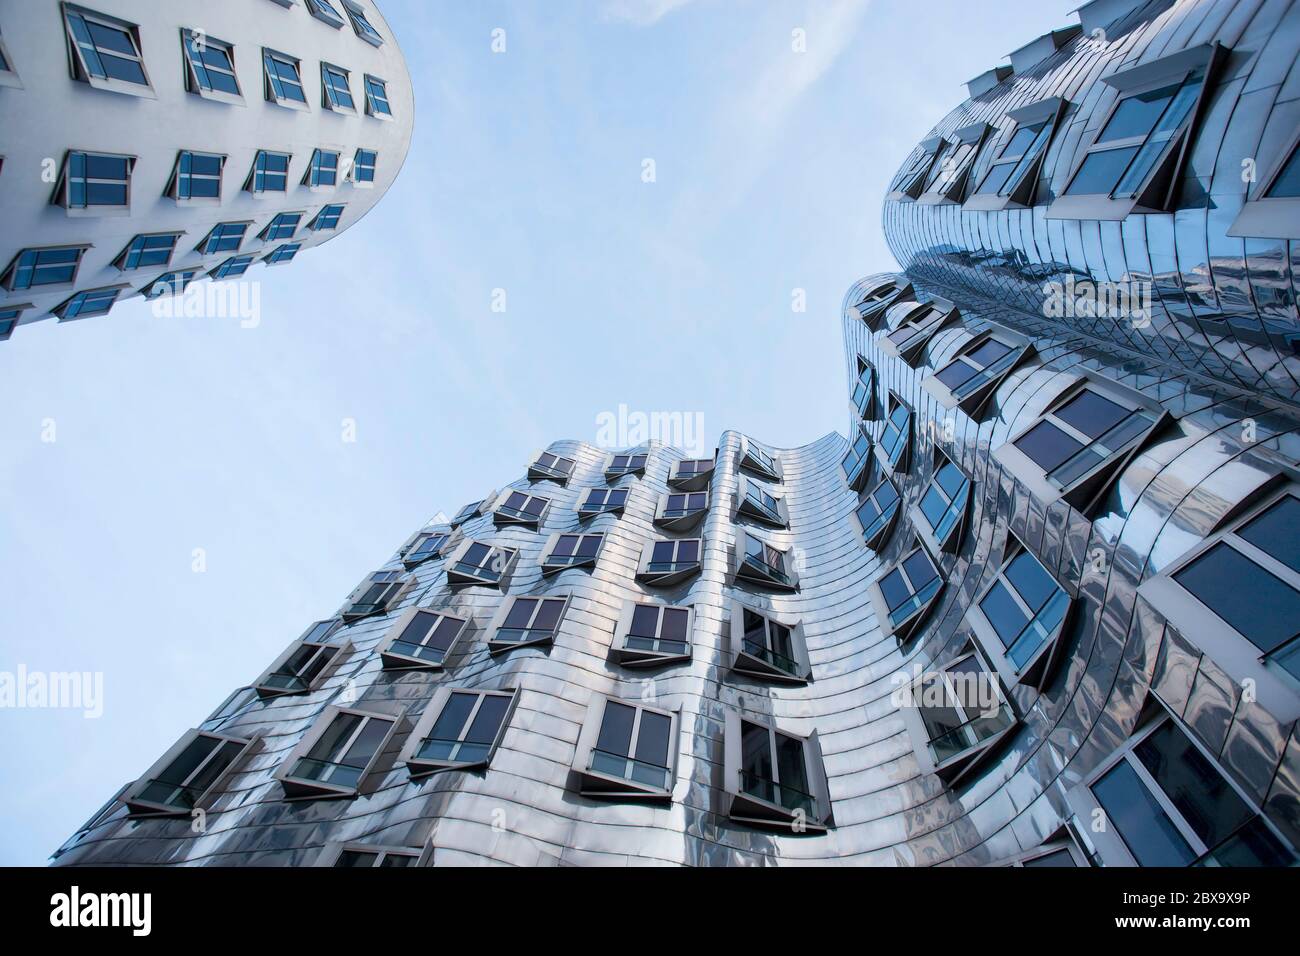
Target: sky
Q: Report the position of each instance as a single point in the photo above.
(182, 497)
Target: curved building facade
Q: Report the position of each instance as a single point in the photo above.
(1038, 609)
(147, 146)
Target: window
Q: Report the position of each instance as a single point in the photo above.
(940, 515)
(523, 621)
(335, 756)
(602, 501)
(94, 183)
(1081, 442)
(756, 562)
(364, 855)
(170, 282)
(472, 510)
(270, 173)
(336, 94)
(360, 24)
(857, 463)
(758, 461)
(947, 181)
(652, 634)
(519, 507)
(476, 563)
(363, 167)
(864, 390)
(283, 253)
(775, 778)
(323, 170)
(565, 551)
(324, 11)
(1012, 179)
(1134, 164)
(376, 595)
(955, 716)
(1167, 803)
(327, 218)
(873, 304)
(1020, 616)
(86, 304)
(8, 74)
(9, 319)
(210, 67)
(692, 474)
(974, 374)
(459, 730)
(377, 98)
(423, 546)
(627, 750)
(1237, 595)
(681, 511)
(767, 648)
(306, 664)
(283, 82)
(1062, 852)
(105, 51)
(196, 176)
(34, 268)
(149, 250)
(233, 267)
(546, 466)
(908, 184)
(421, 638)
(665, 563)
(876, 513)
(904, 595)
(1273, 209)
(756, 502)
(908, 340)
(896, 437)
(620, 465)
(224, 237)
(186, 775)
(283, 226)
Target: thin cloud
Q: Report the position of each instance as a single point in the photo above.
(641, 13)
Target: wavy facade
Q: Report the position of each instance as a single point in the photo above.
(1050, 573)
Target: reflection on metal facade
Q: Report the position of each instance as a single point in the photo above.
(732, 696)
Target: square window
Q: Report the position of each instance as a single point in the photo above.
(650, 634)
(283, 82)
(523, 621)
(941, 513)
(602, 501)
(357, 14)
(324, 11)
(334, 757)
(363, 167)
(665, 563)
(283, 226)
(196, 176)
(758, 563)
(461, 729)
(224, 237)
(970, 379)
(146, 251)
(422, 638)
(857, 463)
(270, 173)
(871, 307)
(87, 304)
(474, 562)
(307, 663)
(1020, 617)
(327, 218)
(185, 777)
(549, 467)
(105, 51)
(876, 512)
(423, 546)
(759, 504)
(620, 465)
(681, 511)
(904, 595)
(210, 67)
(95, 183)
(564, 551)
(765, 648)
(909, 338)
(336, 92)
(775, 778)
(1012, 178)
(323, 169)
(692, 474)
(376, 595)
(758, 461)
(233, 267)
(520, 508)
(896, 437)
(34, 268)
(283, 253)
(627, 750)
(377, 98)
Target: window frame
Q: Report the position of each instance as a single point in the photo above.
(358, 165)
(138, 806)
(859, 475)
(908, 627)
(754, 666)
(8, 279)
(285, 252)
(550, 567)
(123, 257)
(758, 461)
(752, 809)
(313, 175)
(747, 507)
(688, 518)
(327, 210)
(694, 480)
(269, 85)
(475, 509)
(1020, 190)
(497, 646)
(333, 851)
(642, 657)
(233, 267)
(371, 111)
(328, 93)
(356, 14)
(458, 578)
(1272, 217)
(421, 767)
(81, 68)
(757, 576)
(397, 660)
(9, 77)
(61, 310)
(415, 543)
(863, 396)
(202, 248)
(405, 582)
(538, 471)
(271, 232)
(944, 188)
(678, 575)
(952, 539)
(881, 296)
(1049, 847)
(305, 788)
(585, 514)
(194, 82)
(17, 308)
(612, 473)
(975, 401)
(923, 322)
(876, 540)
(333, 18)
(520, 517)
(173, 190)
(309, 638)
(597, 784)
(909, 183)
(165, 284)
(63, 187)
(903, 463)
(250, 184)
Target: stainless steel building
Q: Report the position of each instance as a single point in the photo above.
(144, 146)
(1040, 608)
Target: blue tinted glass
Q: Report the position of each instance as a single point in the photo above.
(1047, 445)
(1003, 613)
(1287, 184)
(1137, 115)
(1033, 583)
(1133, 811)
(1276, 532)
(1259, 605)
(1100, 172)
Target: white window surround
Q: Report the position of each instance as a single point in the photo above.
(767, 663)
(640, 780)
(537, 630)
(81, 68)
(751, 502)
(460, 753)
(646, 651)
(349, 779)
(772, 802)
(423, 638)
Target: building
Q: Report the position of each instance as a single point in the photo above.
(146, 146)
(1038, 609)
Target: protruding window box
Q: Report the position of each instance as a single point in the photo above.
(424, 546)
(476, 563)
(877, 513)
(857, 463)
(650, 634)
(765, 648)
(627, 751)
(864, 391)
(336, 754)
(520, 508)
(774, 778)
(871, 308)
(949, 180)
(282, 81)
(910, 183)
(377, 595)
(105, 52)
(940, 516)
(905, 594)
(601, 501)
(473, 510)
(422, 638)
(1082, 441)
(1019, 618)
(755, 502)
(956, 715)
(564, 551)
(907, 341)
(894, 450)
(681, 511)
(184, 778)
(692, 474)
(758, 461)
(755, 562)
(630, 464)
(459, 730)
(667, 563)
(94, 184)
(526, 620)
(1273, 207)
(1012, 179)
(372, 856)
(549, 467)
(210, 68)
(8, 74)
(307, 663)
(970, 380)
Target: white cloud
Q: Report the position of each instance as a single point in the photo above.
(642, 13)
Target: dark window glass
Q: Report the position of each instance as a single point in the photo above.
(1276, 532)
(1003, 613)
(644, 619)
(755, 751)
(1259, 605)
(452, 719)
(616, 729)
(1047, 445)
(1092, 414)
(1133, 811)
(956, 374)
(488, 719)
(652, 738)
(1055, 858)
(1100, 171)
(1028, 577)
(1287, 184)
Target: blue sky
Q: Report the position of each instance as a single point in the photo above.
(525, 175)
